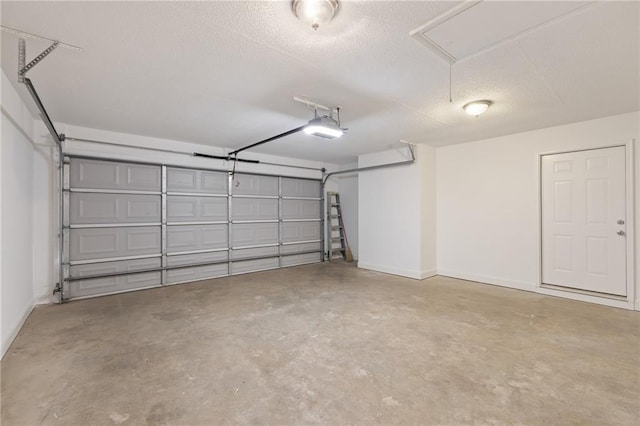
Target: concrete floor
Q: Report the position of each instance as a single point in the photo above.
(324, 343)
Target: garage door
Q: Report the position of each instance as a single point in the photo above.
(130, 226)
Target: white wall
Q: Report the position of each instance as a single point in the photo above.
(427, 163)
(45, 214)
(487, 195)
(395, 220)
(16, 194)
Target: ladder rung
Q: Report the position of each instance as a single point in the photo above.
(336, 250)
(335, 216)
(335, 228)
(337, 239)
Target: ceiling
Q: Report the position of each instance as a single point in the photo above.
(225, 73)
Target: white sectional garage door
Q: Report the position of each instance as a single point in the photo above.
(129, 226)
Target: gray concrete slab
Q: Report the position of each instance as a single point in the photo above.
(324, 344)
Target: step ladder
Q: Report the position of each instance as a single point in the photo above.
(338, 247)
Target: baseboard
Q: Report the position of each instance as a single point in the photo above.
(502, 282)
(407, 273)
(589, 298)
(6, 343)
(47, 299)
(521, 285)
(428, 273)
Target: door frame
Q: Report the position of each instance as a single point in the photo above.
(628, 302)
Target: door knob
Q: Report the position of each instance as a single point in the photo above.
(620, 222)
(620, 233)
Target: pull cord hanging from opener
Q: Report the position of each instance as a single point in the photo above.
(235, 181)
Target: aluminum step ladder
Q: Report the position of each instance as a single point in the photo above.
(338, 247)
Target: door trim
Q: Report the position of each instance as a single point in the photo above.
(628, 302)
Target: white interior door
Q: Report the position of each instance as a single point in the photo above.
(583, 220)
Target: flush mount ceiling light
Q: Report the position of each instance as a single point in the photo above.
(315, 12)
(476, 107)
(324, 127)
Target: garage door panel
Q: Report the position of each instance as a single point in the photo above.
(213, 209)
(196, 181)
(191, 259)
(99, 286)
(92, 287)
(145, 210)
(301, 259)
(254, 234)
(104, 243)
(254, 252)
(300, 231)
(214, 182)
(95, 174)
(196, 237)
(246, 266)
(175, 276)
(300, 209)
(98, 174)
(142, 177)
(114, 267)
(196, 209)
(143, 239)
(255, 209)
(245, 184)
(92, 208)
(292, 187)
(298, 248)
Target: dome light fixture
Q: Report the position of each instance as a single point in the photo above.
(315, 12)
(477, 107)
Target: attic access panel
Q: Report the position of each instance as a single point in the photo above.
(471, 28)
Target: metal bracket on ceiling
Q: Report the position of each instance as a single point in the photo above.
(22, 57)
(23, 67)
(315, 106)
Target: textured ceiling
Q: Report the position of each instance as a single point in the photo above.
(225, 73)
